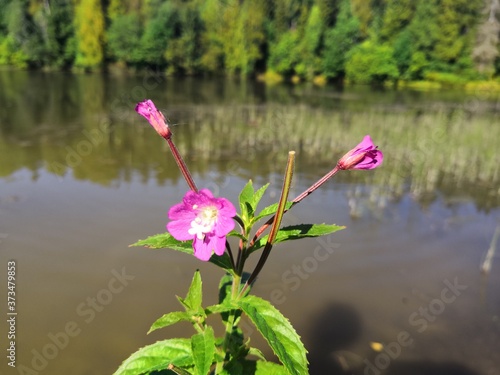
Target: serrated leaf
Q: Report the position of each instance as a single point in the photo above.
(278, 332)
(296, 232)
(217, 309)
(194, 295)
(203, 347)
(258, 196)
(158, 356)
(245, 198)
(234, 233)
(271, 210)
(169, 319)
(257, 353)
(167, 241)
(269, 368)
(247, 367)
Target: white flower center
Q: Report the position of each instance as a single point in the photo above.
(204, 222)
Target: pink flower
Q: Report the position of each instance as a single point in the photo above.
(148, 110)
(205, 220)
(363, 156)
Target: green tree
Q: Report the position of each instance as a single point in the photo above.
(184, 48)
(370, 63)
(310, 45)
(455, 20)
(60, 35)
(329, 10)
(234, 33)
(158, 30)
(124, 37)
(423, 30)
(364, 13)
(339, 40)
(89, 33)
(397, 16)
(282, 58)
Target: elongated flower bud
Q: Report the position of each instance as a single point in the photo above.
(363, 156)
(148, 110)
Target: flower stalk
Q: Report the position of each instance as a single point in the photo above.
(147, 109)
(364, 156)
(277, 218)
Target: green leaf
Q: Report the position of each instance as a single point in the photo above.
(257, 353)
(158, 356)
(203, 347)
(167, 241)
(217, 309)
(271, 210)
(269, 368)
(254, 202)
(278, 332)
(169, 319)
(247, 367)
(194, 295)
(234, 233)
(245, 199)
(295, 232)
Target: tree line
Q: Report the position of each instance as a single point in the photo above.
(364, 41)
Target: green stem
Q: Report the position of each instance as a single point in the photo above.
(276, 222)
(230, 320)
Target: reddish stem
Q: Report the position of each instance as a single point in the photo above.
(301, 196)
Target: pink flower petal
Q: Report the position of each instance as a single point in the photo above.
(214, 220)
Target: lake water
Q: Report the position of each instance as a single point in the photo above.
(399, 291)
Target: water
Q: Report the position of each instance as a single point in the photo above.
(83, 176)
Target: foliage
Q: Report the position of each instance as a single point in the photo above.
(124, 37)
(339, 40)
(204, 353)
(371, 63)
(294, 38)
(89, 30)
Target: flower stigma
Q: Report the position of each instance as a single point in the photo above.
(204, 221)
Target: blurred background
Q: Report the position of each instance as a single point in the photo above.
(411, 286)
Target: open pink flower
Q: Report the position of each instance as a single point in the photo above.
(148, 110)
(205, 220)
(363, 156)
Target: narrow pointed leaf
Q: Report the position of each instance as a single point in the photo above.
(278, 332)
(166, 241)
(217, 309)
(203, 347)
(271, 210)
(158, 356)
(245, 199)
(295, 232)
(258, 196)
(169, 319)
(194, 295)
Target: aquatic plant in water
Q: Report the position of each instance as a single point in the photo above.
(200, 225)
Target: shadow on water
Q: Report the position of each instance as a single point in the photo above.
(337, 327)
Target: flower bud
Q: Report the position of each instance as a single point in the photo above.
(148, 110)
(363, 156)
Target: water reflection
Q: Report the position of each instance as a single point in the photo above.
(83, 176)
